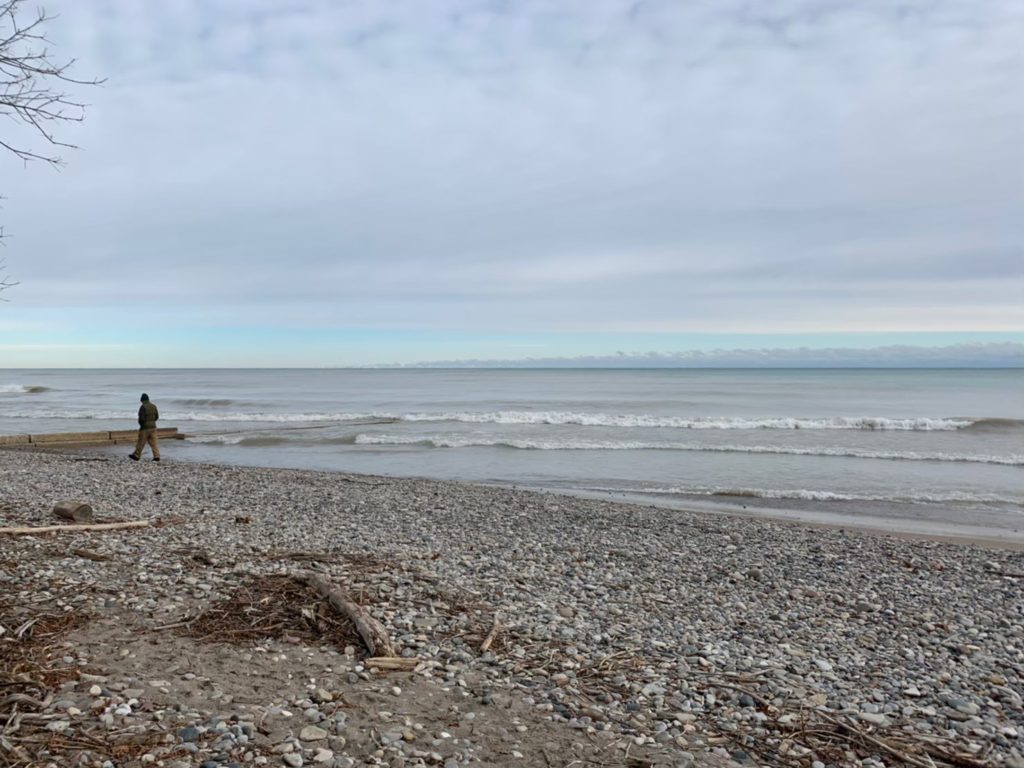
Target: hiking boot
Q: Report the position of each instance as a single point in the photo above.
(156, 458)
(133, 457)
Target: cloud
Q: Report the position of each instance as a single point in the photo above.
(713, 165)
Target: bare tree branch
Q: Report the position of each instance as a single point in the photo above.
(30, 88)
(30, 82)
(4, 283)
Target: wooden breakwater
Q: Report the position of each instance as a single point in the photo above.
(58, 439)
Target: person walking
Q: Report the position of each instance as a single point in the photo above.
(148, 415)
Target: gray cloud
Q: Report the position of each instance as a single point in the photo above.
(587, 166)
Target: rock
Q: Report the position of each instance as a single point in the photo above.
(966, 707)
(312, 733)
(294, 759)
(873, 718)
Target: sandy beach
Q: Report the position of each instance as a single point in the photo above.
(543, 630)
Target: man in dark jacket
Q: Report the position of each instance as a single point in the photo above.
(148, 415)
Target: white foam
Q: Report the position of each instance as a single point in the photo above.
(456, 441)
(277, 418)
(216, 439)
(703, 422)
(813, 495)
(555, 418)
(20, 389)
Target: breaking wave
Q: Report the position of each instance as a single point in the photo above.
(21, 389)
(809, 495)
(582, 445)
(248, 441)
(995, 425)
(553, 418)
(209, 401)
(559, 418)
(703, 422)
(263, 441)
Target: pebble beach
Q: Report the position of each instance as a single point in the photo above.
(618, 634)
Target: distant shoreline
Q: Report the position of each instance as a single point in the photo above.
(525, 367)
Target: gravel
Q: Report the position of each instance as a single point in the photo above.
(651, 634)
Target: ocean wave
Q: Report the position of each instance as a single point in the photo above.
(559, 418)
(264, 441)
(170, 415)
(996, 425)
(21, 389)
(700, 422)
(283, 418)
(565, 418)
(210, 401)
(611, 445)
(246, 441)
(803, 494)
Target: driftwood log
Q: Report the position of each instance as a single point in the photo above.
(75, 511)
(495, 628)
(392, 663)
(88, 554)
(370, 630)
(27, 531)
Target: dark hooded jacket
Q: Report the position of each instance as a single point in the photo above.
(148, 415)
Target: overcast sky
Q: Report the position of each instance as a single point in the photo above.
(289, 182)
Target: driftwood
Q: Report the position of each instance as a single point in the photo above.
(72, 528)
(495, 628)
(392, 662)
(76, 511)
(88, 554)
(372, 631)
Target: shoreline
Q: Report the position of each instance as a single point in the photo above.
(813, 514)
(623, 631)
(817, 517)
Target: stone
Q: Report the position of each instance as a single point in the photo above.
(312, 733)
(873, 718)
(294, 759)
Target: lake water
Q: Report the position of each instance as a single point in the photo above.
(942, 447)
